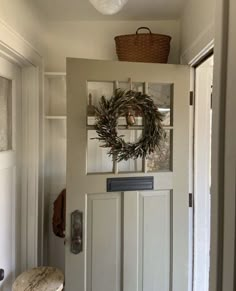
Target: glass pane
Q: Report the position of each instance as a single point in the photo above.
(122, 121)
(162, 95)
(5, 114)
(161, 159)
(97, 159)
(130, 165)
(95, 91)
(136, 86)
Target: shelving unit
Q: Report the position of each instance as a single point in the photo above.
(54, 160)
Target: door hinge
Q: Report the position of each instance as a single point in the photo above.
(190, 200)
(191, 98)
(211, 95)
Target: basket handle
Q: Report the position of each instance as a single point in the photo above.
(143, 27)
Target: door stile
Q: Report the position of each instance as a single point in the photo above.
(131, 242)
(180, 182)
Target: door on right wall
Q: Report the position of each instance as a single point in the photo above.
(202, 173)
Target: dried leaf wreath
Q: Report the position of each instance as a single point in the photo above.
(121, 104)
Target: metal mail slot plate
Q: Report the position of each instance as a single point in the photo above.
(130, 184)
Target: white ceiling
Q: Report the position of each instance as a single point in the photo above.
(74, 10)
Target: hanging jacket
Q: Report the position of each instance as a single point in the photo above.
(59, 214)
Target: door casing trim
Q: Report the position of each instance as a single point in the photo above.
(16, 49)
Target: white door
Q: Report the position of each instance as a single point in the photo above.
(10, 132)
(132, 240)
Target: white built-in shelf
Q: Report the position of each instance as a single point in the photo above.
(55, 117)
(54, 74)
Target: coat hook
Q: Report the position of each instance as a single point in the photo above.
(130, 83)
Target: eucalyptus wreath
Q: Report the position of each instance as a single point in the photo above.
(120, 104)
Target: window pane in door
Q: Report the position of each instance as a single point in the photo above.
(5, 114)
(95, 91)
(161, 159)
(135, 86)
(97, 159)
(162, 95)
(131, 165)
(138, 87)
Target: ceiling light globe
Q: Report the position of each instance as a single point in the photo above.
(108, 7)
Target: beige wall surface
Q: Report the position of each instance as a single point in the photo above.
(81, 39)
(95, 39)
(23, 18)
(197, 27)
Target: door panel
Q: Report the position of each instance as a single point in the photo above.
(104, 242)
(155, 245)
(133, 241)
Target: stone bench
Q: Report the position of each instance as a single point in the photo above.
(40, 279)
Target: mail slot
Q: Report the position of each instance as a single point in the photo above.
(130, 184)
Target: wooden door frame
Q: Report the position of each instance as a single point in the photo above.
(193, 58)
(17, 50)
(201, 193)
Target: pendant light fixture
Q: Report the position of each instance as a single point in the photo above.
(108, 7)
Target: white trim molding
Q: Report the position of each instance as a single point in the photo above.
(16, 49)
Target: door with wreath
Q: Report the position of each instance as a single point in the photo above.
(127, 176)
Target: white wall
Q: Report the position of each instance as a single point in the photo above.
(95, 39)
(24, 19)
(228, 80)
(85, 39)
(223, 222)
(197, 27)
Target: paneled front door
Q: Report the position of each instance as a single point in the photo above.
(132, 240)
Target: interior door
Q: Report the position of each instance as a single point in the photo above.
(10, 132)
(132, 240)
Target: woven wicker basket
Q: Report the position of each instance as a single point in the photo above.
(143, 47)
